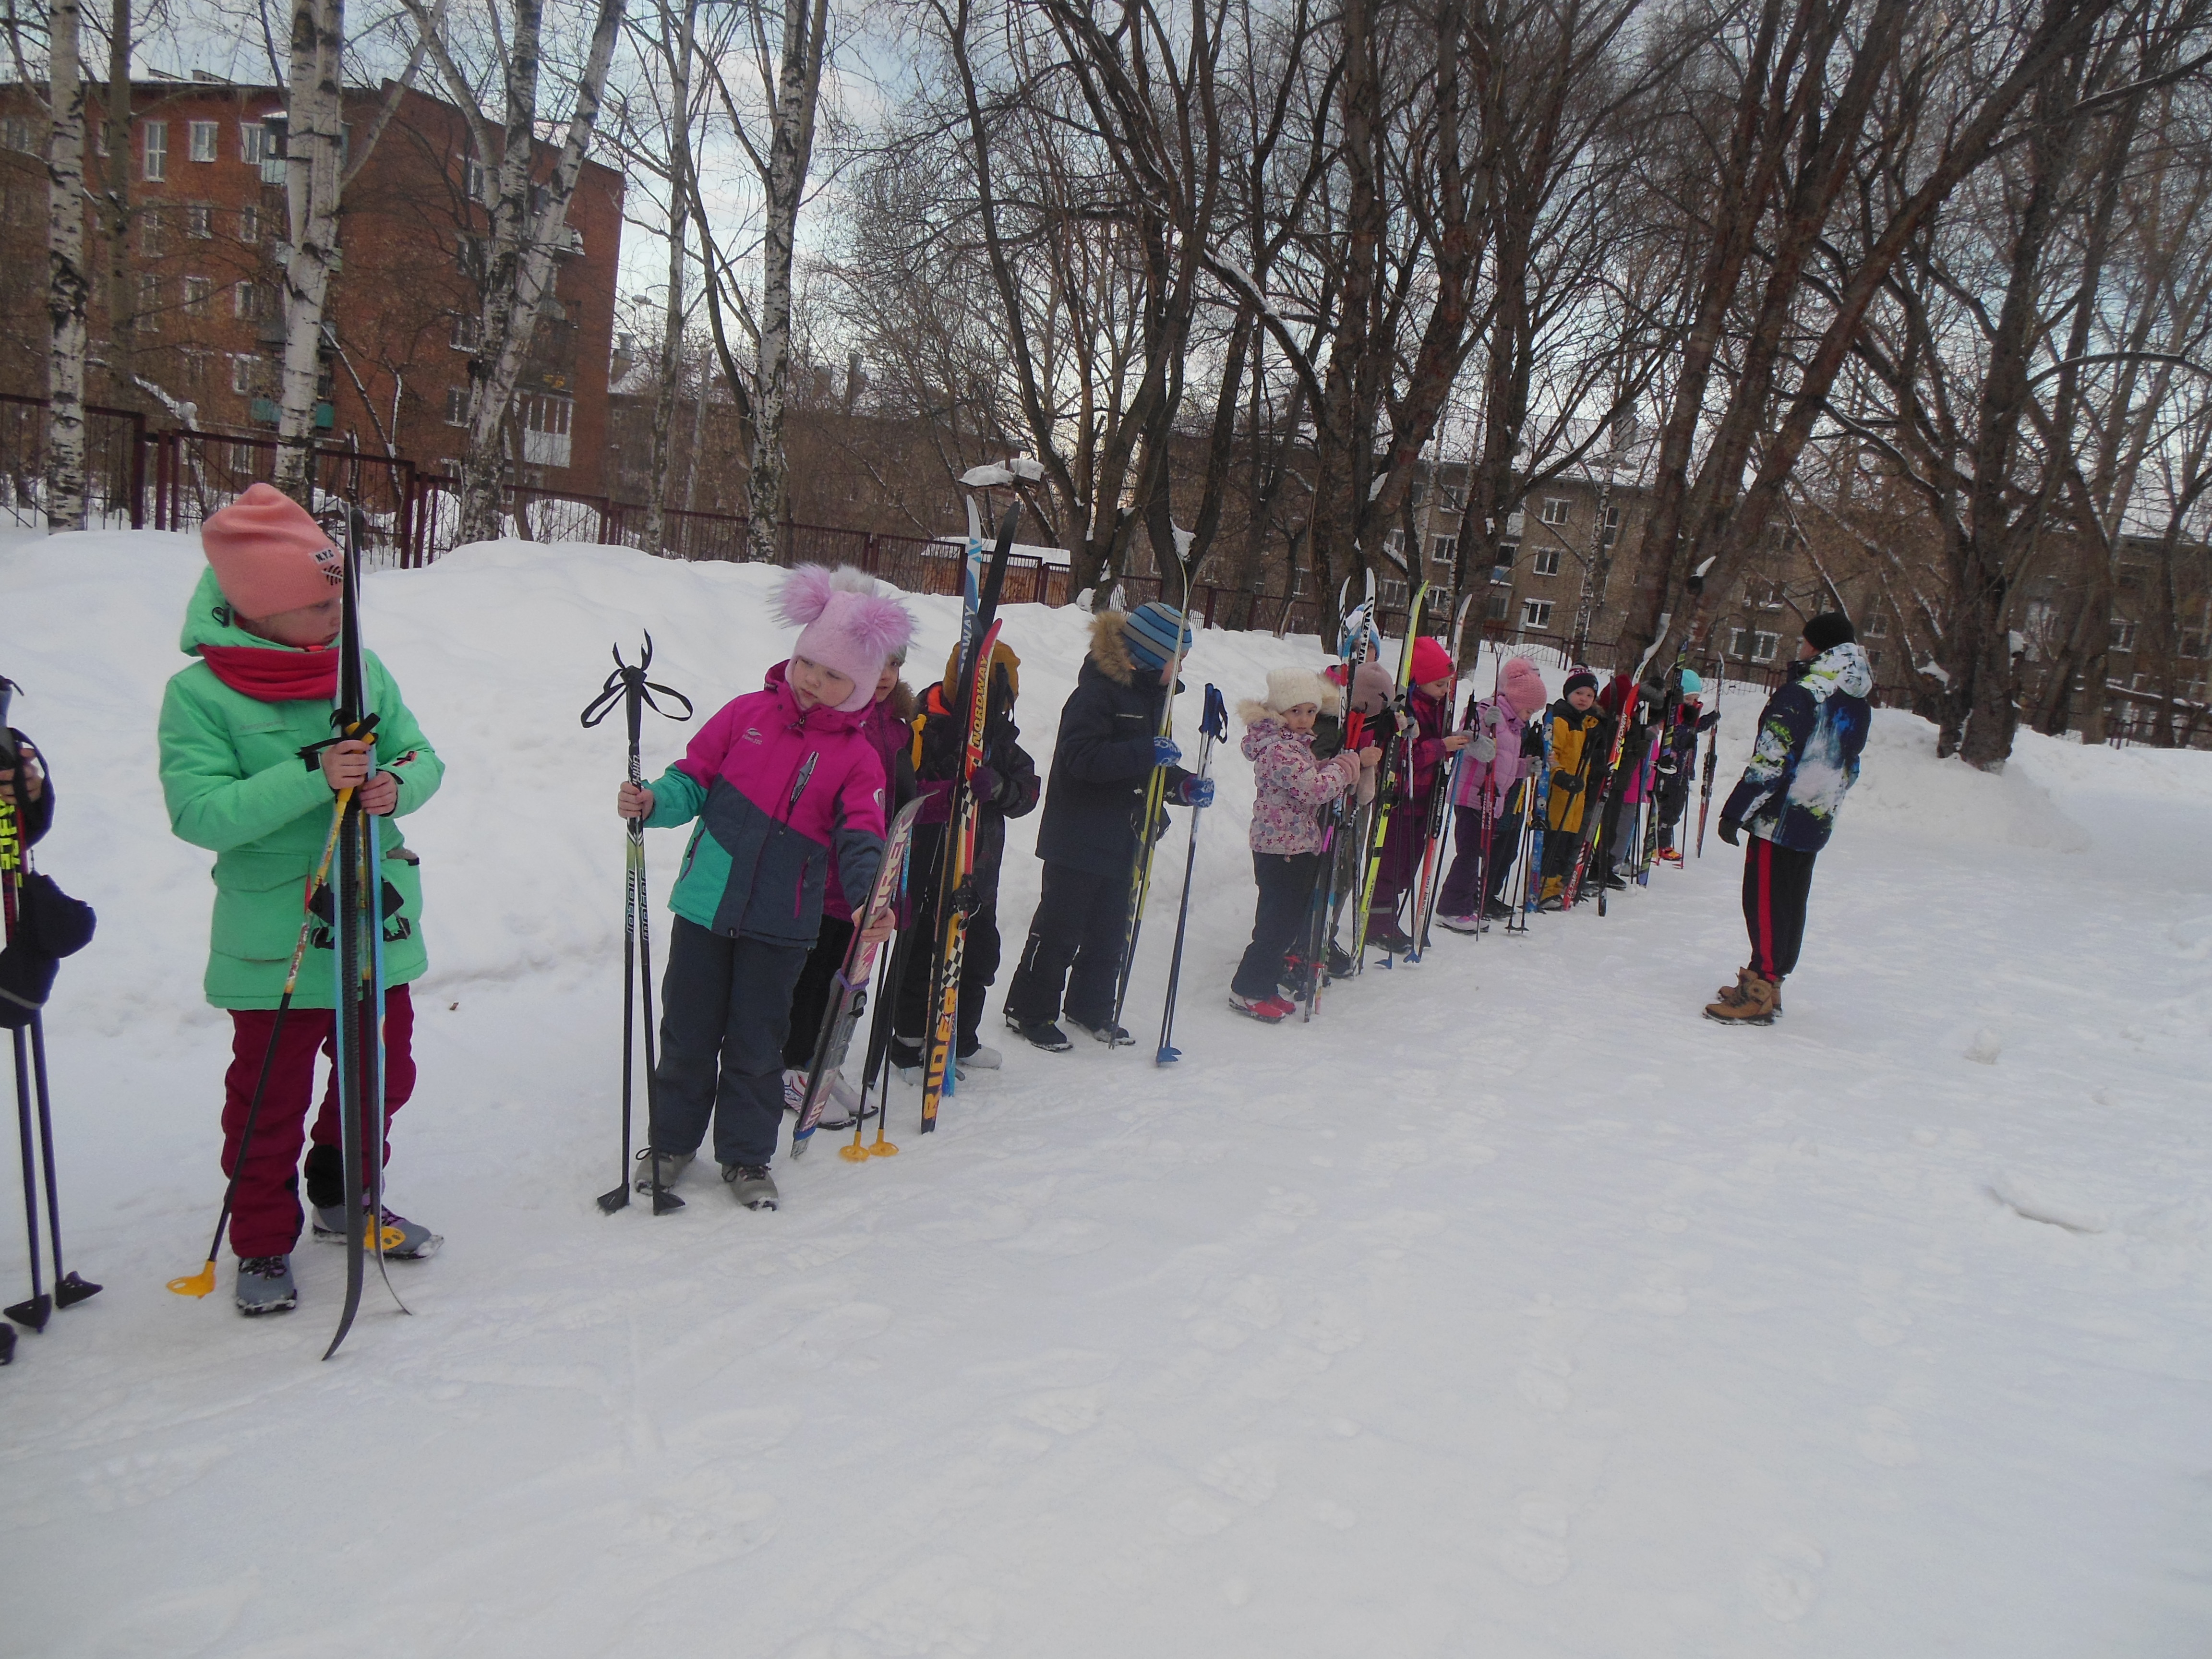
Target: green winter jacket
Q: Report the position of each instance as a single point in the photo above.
(235, 783)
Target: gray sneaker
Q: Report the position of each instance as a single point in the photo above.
(403, 1240)
(264, 1285)
(672, 1164)
(752, 1185)
(982, 1058)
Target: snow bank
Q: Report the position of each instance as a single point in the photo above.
(1902, 789)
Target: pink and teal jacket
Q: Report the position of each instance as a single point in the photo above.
(780, 797)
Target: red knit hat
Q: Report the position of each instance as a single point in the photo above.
(268, 557)
(1431, 660)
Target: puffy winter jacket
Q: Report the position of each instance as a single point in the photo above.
(1497, 720)
(1579, 749)
(1807, 757)
(884, 723)
(780, 794)
(1293, 787)
(233, 782)
(939, 745)
(1102, 759)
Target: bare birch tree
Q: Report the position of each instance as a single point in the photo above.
(68, 288)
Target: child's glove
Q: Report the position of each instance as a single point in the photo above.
(1567, 783)
(1197, 792)
(983, 784)
(1165, 752)
(1484, 748)
(1730, 829)
(1532, 743)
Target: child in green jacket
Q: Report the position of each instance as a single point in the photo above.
(237, 729)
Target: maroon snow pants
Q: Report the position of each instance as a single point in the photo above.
(265, 1217)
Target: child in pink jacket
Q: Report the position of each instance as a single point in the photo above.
(1293, 788)
(1486, 791)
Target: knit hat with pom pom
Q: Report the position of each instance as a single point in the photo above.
(847, 625)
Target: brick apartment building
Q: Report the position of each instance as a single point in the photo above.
(189, 309)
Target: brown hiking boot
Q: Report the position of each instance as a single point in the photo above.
(1752, 1003)
(1734, 993)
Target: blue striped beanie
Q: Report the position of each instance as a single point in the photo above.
(1154, 634)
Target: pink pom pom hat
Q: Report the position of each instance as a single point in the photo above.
(845, 625)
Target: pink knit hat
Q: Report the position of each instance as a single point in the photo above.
(848, 625)
(1431, 661)
(1520, 684)
(268, 557)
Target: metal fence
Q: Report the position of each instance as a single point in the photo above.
(172, 480)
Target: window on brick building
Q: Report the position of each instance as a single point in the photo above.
(250, 302)
(1763, 645)
(1444, 548)
(476, 180)
(199, 221)
(244, 373)
(259, 146)
(249, 226)
(196, 364)
(1611, 533)
(1877, 625)
(469, 255)
(1391, 592)
(1556, 508)
(155, 150)
(468, 330)
(197, 292)
(15, 134)
(148, 319)
(1535, 613)
(1499, 603)
(457, 405)
(2123, 634)
(1545, 562)
(149, 234)
(1502, 572)
(203, 138)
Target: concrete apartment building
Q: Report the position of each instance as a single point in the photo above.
(187, 313)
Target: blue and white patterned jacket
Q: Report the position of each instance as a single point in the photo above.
(1807, 757)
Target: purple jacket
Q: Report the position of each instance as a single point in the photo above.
(1293, 787)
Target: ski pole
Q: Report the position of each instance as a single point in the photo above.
(1213, 726)
(629, 686)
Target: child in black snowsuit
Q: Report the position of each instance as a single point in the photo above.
(1006, 786)
(1108, 744)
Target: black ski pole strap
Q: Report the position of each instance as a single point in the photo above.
(312, 754)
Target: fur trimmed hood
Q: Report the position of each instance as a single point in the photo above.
(1110, 649)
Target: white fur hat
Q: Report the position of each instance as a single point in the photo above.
(1287, 687)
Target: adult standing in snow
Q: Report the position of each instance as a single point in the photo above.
(235, 728)
(1805, 760)
(1101, 761)
(784, 782)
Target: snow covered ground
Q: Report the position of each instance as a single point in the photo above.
(1509, 1309)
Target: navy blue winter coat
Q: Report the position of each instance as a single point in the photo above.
(1102, 759)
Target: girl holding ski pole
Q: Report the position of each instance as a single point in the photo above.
(1287, 832)
(249, 771)
(1485, 797)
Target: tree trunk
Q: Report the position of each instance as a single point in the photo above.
(313, 135)
(791, 148)
(520, 259)
(67, 288)
(671, 333)
(122, 345)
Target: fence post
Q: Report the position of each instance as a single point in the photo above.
(138, 470)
